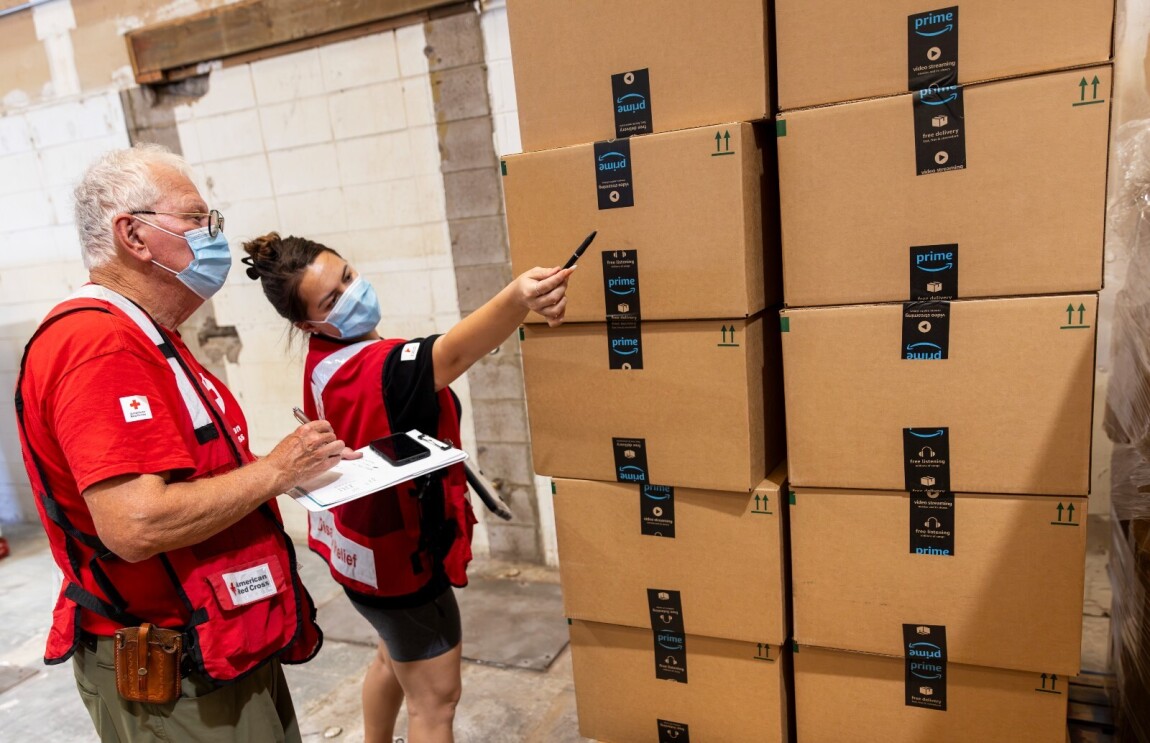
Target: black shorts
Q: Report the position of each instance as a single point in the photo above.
(419, 633)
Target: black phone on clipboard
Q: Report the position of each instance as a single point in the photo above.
(400, 449)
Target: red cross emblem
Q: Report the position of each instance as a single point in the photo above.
(134, 404)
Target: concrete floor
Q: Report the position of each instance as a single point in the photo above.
(499, 704)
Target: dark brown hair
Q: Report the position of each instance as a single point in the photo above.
(279, 263)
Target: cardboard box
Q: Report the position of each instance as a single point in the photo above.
(734, 691)
(1006, 409)
(842, 696)
(603, 69)
(841, 50)
(723, 553)
(860, 224)
(686, 234)
(686, 407)
(1003, 574)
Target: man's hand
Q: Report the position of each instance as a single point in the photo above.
(310, 450)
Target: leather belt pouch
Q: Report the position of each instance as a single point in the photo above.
(148, 664)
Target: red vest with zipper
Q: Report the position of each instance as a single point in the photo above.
(237, 595)
(378, 545)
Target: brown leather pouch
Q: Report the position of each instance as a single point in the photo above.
(148, 664)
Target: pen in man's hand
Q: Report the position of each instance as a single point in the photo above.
(579, 250)
(299, 416)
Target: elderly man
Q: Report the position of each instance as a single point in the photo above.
(156, 511)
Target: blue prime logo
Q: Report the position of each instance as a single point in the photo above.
(924, 650)
(919, 351)
(939, 95)
(625, 346)
(612, 161)
(929, 671)
(930, 551)
(623, 285)
(631, 473)
(922, 261)
(927, 434)
(669, 641)
(630, 103)
(657, 492)
(923, 23)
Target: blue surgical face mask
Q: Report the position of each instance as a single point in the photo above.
(211, 261)
(357, 310)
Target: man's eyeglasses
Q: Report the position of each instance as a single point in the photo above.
(215, 219)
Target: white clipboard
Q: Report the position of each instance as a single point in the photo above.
(355, 478)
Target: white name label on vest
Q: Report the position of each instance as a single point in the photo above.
(347, 557)
(250, 585)
(409, 351)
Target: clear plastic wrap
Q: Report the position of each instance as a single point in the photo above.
(1130, 584)
(1127, 417)
(1127, 423)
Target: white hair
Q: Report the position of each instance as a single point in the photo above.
(120, 181)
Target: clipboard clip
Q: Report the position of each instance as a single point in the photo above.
(442, 446)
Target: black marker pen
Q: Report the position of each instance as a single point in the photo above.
(579, 250)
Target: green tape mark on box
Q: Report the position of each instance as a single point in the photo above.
(791, 498)
(780, 128)
(503, 166)
(784, 324)
(520, 333)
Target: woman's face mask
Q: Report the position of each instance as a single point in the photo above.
(211, 261)
(357, 310)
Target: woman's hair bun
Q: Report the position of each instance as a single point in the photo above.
(264, 250)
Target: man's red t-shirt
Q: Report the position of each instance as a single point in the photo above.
(101, 401)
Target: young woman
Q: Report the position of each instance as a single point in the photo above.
(397, 553)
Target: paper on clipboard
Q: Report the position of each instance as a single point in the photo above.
(355, 478)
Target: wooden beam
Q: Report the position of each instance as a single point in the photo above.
(180, 48)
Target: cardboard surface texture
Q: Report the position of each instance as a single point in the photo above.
(1024, 216)
(736, 691)
(695, 227)
(723, 552)
(841, 696)
(841, 50)
(599, 69)
(690, 411)
(1007, 410)
(1009, 593)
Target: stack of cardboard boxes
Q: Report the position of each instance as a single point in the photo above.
(657, 407)
(942, 184)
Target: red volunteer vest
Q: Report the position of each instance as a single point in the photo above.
(241, 601)
(389, 543)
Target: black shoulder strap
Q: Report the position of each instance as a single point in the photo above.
(56, 514)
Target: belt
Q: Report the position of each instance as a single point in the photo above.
(88, 640)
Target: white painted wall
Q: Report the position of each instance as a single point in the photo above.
(43, 153)
(337, 144)
(505, 116)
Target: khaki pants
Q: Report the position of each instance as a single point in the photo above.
(258, 708)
